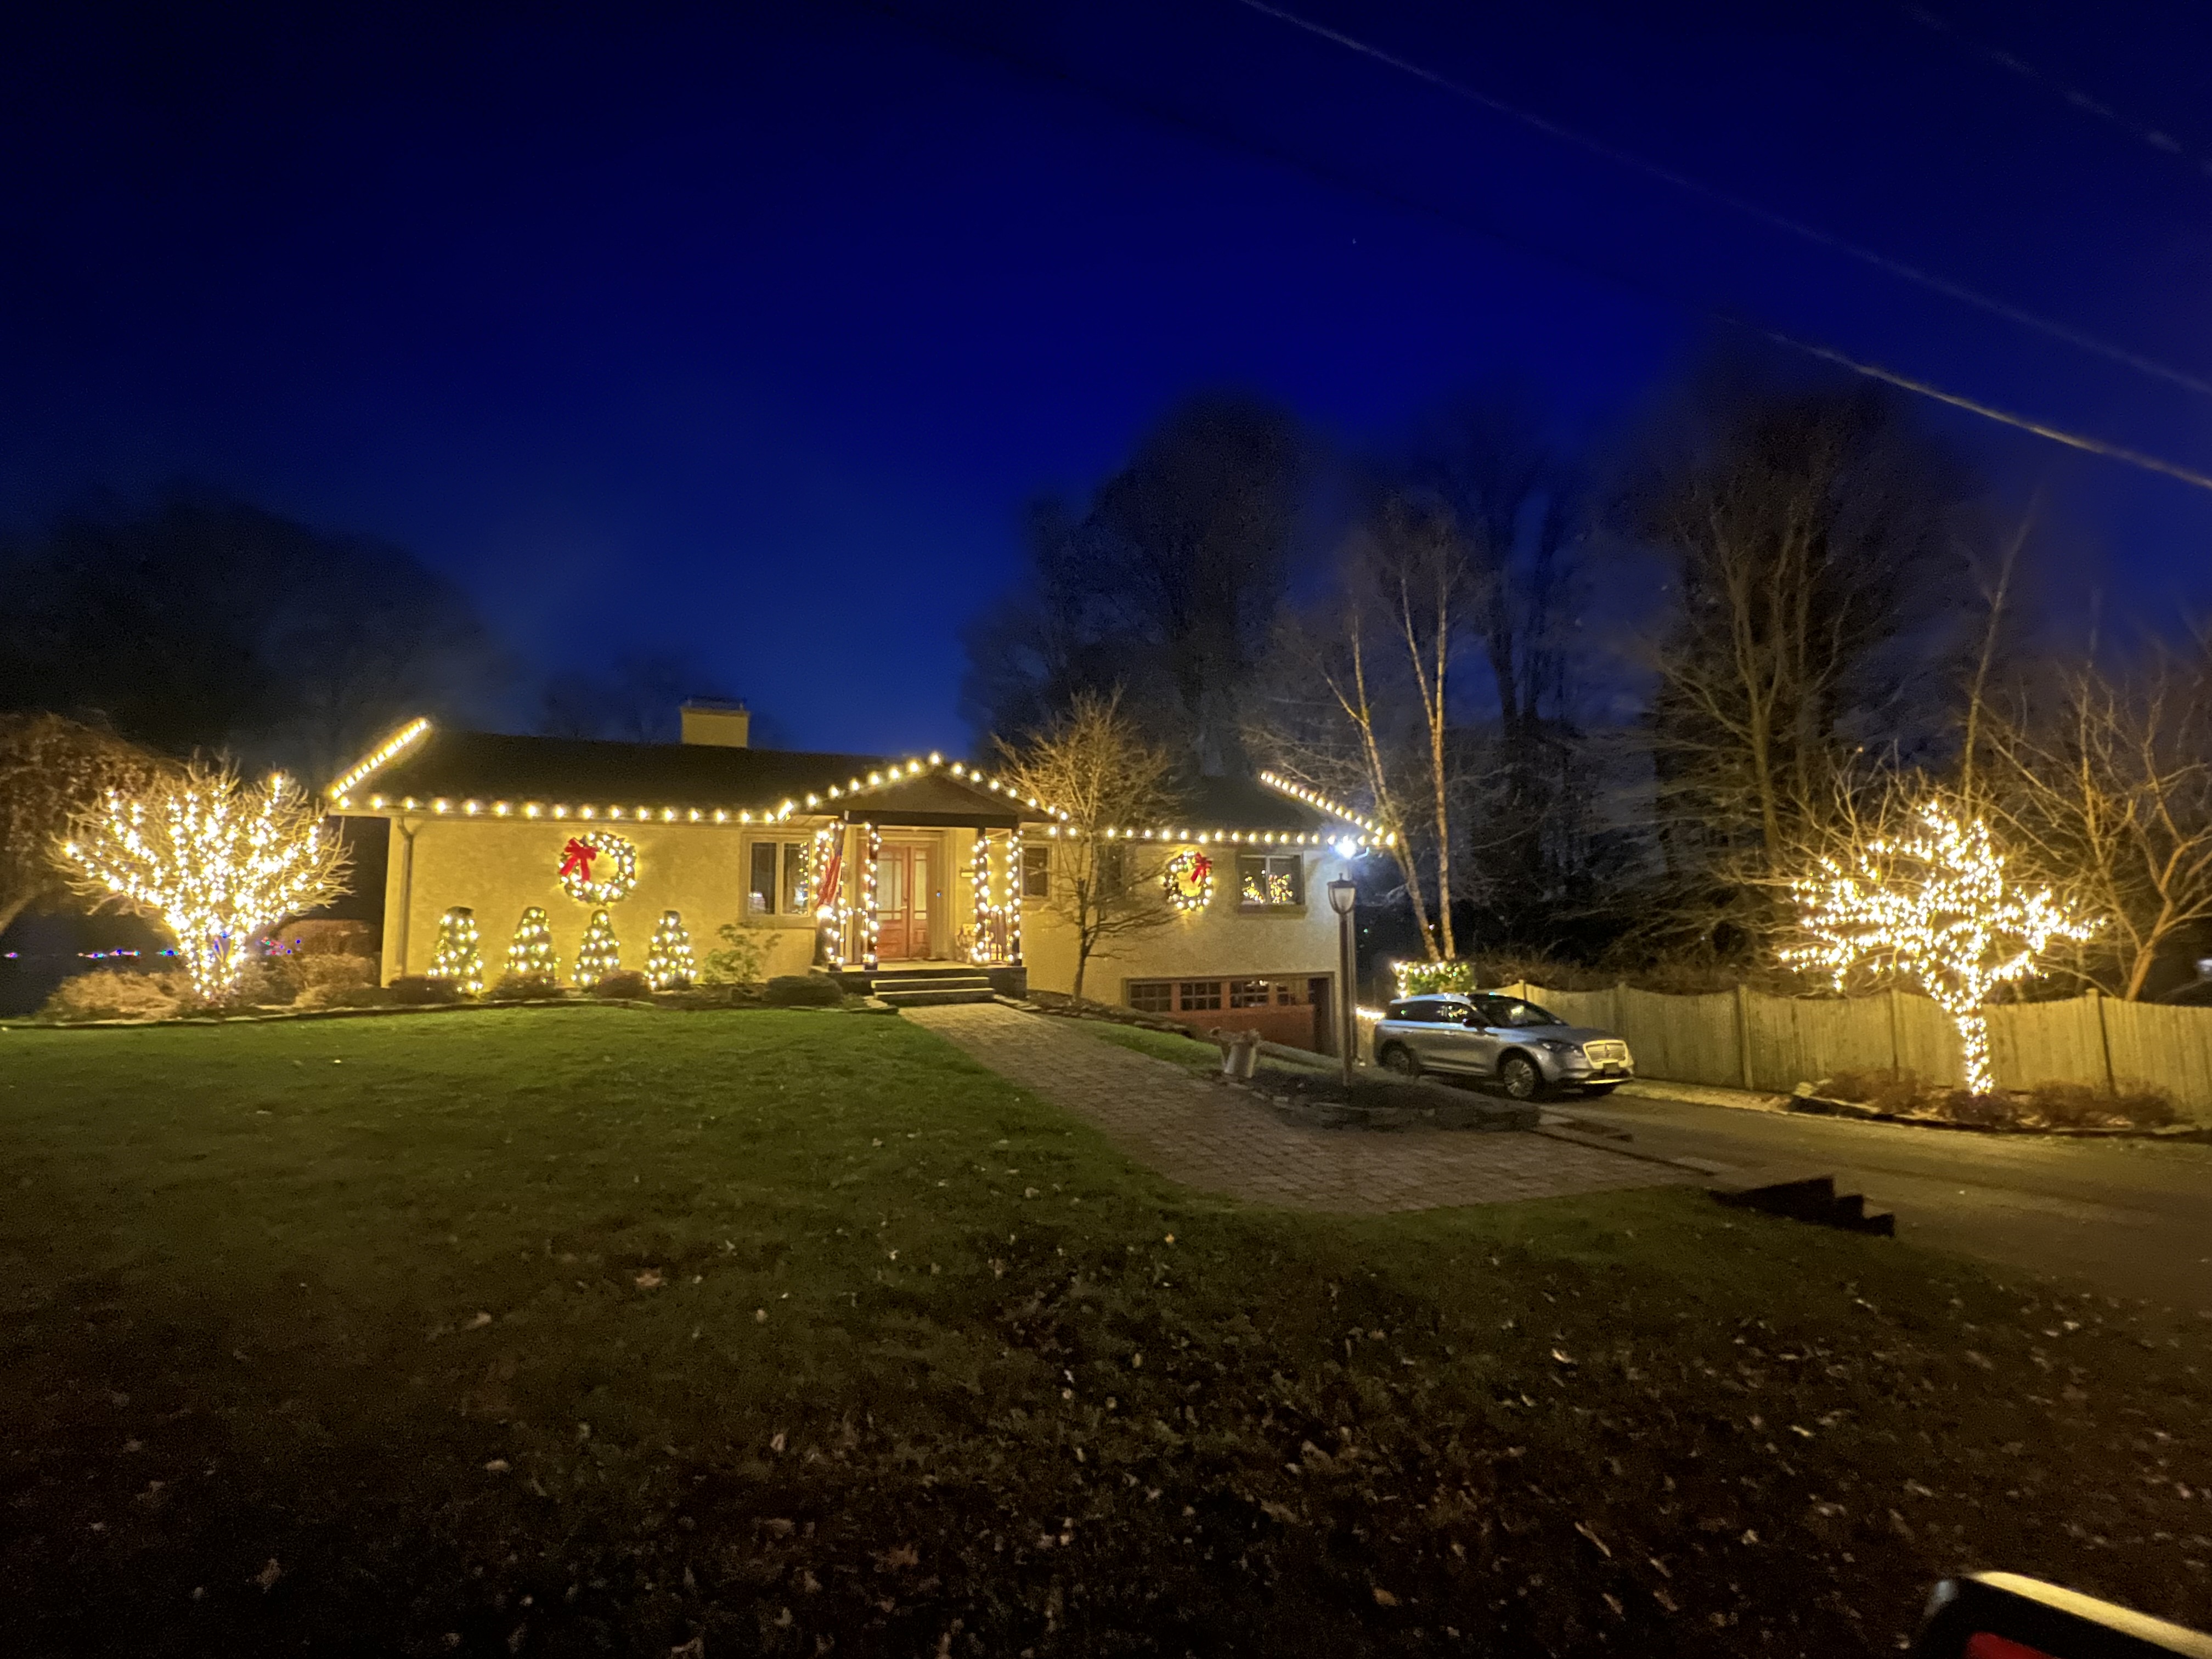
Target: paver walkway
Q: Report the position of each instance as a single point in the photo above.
(1221, 1139)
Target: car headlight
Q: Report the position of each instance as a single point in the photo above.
(1559, 1048)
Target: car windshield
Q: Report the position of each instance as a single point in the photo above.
(1511, 1011)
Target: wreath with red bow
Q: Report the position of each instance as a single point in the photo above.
(616, 877)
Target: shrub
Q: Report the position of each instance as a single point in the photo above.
(1983, 1111)
(334, 973)
(2079, 1106)
(1419, 978)
(628, 986)
(106, 993)
(738, 961)
(518, 987)
(420, 990)
(803, 991)
(1886, 1091)
(305, 939)
(268, 982)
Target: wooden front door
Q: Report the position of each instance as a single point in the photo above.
(903, 895)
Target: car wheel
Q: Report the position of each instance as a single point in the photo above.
(1400, 1059)
(1522, 1080)
(1599, 1090)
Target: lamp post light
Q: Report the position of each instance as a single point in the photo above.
(1343, 896)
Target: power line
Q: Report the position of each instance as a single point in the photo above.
(2164, 143)
(1798, 227)
(1353, 184)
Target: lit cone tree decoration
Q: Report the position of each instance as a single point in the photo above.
(530, 952)
(214, 860)
(668, 963)
(599, 955)
(1933, 905)
(459, 955)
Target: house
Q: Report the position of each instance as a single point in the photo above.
(911, 876)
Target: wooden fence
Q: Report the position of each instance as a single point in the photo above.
(1746, 1039)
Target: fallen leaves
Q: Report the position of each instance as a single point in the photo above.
(649, 1280)
(1582, 1527)
(268, 1575)
(478, 1322)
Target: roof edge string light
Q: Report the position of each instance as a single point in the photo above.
(1321, 803)
(342, 788)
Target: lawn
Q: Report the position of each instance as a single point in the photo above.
(595, 1330)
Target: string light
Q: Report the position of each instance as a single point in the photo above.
(1320, 802)
(1935, 905)
(343, 787)
(1014, 897)
(459, 956)
(341, 792)
(979, 878)
(668, 964)
(215, 860)
(601, 955)
(530, 952)
(829, 894)
(868, 918)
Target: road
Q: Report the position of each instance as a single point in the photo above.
(2132, 1217)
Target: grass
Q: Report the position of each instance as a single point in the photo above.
(1189, 1052)
(590, 1330)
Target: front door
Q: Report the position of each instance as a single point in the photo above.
(902, 894)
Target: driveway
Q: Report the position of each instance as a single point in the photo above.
(2133, 1217)
(1223, 1140)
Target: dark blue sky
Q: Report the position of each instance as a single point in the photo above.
(748, 332)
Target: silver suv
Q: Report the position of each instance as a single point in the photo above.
(1528, 1050)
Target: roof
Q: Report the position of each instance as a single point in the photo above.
(498, 775)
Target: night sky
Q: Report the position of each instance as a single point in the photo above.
(749, 332)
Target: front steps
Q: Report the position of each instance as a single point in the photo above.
(1807, 1198)
(923, 987)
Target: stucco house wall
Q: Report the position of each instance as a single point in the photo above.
(498, 868)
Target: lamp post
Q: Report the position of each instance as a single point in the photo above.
(1343, 896)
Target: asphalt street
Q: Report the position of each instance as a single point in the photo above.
(2133, 1217)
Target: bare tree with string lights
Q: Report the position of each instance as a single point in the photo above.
(214, 860)
(1932, 903)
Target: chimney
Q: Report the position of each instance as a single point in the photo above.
(725, 725)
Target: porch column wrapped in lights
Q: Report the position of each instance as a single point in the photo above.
(868, 917)
(979, 878)
(829, 911)
(1014, 896)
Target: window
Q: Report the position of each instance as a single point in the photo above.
(1515, 1014)
(1151, 996)
(1250, 993)
(1198, 995)
(1037, 872)
(792, 896)
(1270, 880)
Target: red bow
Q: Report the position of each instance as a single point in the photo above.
(578, 857)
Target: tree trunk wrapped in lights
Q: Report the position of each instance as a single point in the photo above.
(599, 955)
(668, 964)
(213, 858)
(530, 952)
(459, 956)
(1932, 903)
